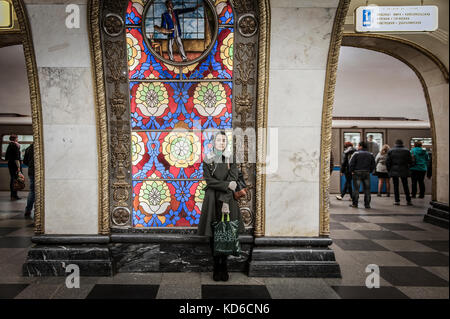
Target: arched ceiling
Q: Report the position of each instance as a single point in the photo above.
(373, 84)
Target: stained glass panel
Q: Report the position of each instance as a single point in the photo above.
(224, 12)
(167, 173)
(158, 105)
(159, 203)
(219, 62)
(142, 64)
(134, 12)
(167, 155)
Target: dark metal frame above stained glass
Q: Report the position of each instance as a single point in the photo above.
(139, 122)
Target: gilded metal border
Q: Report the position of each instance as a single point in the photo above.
(100, 114)
(327, 114)
(424, 87)
(36, 113)
(261, 115)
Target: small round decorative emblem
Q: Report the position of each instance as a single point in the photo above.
(121, 216)
(113, 24)
(247, 25)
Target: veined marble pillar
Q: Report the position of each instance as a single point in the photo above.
(69, 124)
(300, 39)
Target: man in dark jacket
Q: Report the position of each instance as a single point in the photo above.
(345, 170)
(398, 163)
(361, 165)
(13, 157)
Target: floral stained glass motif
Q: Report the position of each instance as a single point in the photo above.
(198, 105)
(160, 203)
(134, 12)
(219, 62)
(167, 155)
(142, 64)
(224, 12)
(167, 172)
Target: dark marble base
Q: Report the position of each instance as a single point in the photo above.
(170, 253)
(178, 252)
(437, 214)
(293, 257)
(51, 260)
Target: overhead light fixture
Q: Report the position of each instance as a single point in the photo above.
(6, 21)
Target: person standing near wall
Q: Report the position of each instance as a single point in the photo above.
(398, 162)
(221, 178)
(345, 170)
(362, 164)
(381, 171)
(28, 160)
(419, 169)
(13, 157)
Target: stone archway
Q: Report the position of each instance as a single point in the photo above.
(433, 76)
(21, 35)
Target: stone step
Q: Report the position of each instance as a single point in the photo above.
(38, 268)
(65, 253)
(292, 254)
(440, 206)
(441, 222)
(438, 213)
(321, 269)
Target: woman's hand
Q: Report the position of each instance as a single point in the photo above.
(225, 208)
(232, 185)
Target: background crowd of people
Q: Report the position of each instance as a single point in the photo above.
(398, 163)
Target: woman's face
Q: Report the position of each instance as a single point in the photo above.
(220, 142)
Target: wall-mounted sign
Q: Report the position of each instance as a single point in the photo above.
(400, 19)
(5, 15)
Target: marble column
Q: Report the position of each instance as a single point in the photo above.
(300, 39)
(69, 123)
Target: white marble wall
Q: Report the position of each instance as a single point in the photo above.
(70, 143)
(300, 39)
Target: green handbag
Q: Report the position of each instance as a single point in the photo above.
(226, 240)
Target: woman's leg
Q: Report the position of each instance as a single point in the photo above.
(216, 260)
(224, 268)
(421, 178)
(380, 186)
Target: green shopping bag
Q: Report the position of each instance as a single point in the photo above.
(226, 240)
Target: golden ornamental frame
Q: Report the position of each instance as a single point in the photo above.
(327, 114)
(94, 25)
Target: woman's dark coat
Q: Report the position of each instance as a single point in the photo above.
(217, 177)
(399, 161)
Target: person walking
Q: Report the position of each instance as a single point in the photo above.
(372, 146)
(419, 169)
(345, 170)
(362, 164)
(381, 171)
(28, 160)
(13, 157)
(221, 178)
(398, 163)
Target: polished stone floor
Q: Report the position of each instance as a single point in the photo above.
(412, 257)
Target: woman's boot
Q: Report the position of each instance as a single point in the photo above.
(216, 270)
(224, 269)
